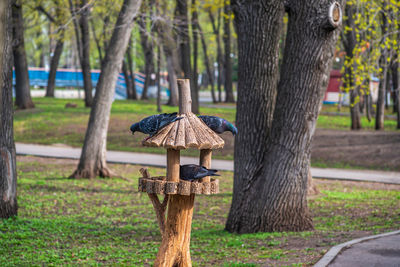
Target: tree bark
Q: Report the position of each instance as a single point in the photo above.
(229, 98)
(8, 173)
(23, 98)
(93, 158)
(55, 59)
(271, 170)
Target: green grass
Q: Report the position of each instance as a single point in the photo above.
(344, 123)
(107, 222)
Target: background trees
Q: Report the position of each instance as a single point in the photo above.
(93, 157)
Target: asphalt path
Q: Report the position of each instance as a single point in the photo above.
(157, 160)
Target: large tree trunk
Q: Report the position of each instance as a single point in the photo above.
(85, 57)
(271, 171)
(349, 43)
(93, 158)
(228, 62)
(258, 31)
(55, 59)
(23, 98)
(8, 173)
(148, 50)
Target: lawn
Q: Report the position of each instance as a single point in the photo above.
(107, 222)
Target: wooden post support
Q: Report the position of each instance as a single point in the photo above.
(173, 165)
(174, 249)
(205, 160)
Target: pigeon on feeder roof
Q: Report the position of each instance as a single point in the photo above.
(219, 125)
(152, 124)
(188, 132)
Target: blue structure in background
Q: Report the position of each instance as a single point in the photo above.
(74, 78)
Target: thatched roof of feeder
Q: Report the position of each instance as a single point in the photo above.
(188, 132)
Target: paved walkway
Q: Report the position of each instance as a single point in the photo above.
(378, 250)
(157, 160)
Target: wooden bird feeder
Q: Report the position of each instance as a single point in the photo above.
(189, 132)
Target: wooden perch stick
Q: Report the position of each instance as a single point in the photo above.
(158, 206)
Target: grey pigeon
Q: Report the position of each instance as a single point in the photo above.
(152, 124)
(218, 125)
(192, 172)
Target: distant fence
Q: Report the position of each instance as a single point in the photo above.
(74, 78)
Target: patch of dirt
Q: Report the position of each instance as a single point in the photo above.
(370, 149)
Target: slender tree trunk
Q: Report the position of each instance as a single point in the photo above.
(55, 59)
(195, 34)
(23, 98)
(207, 64)
(128, 82)
(148, 50)
(380, 104)
(173, 85)
(165, 34)
(97, 41)
(158, 80)
(182, 25)
(228, 62)
(131, 70)
(271, 170)
(354, 109)
(93, 158)
(85, 59)
(349, 43)
(8, 173)
(219, 51)
(396, 89)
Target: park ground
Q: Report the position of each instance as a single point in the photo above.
(107, 222)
